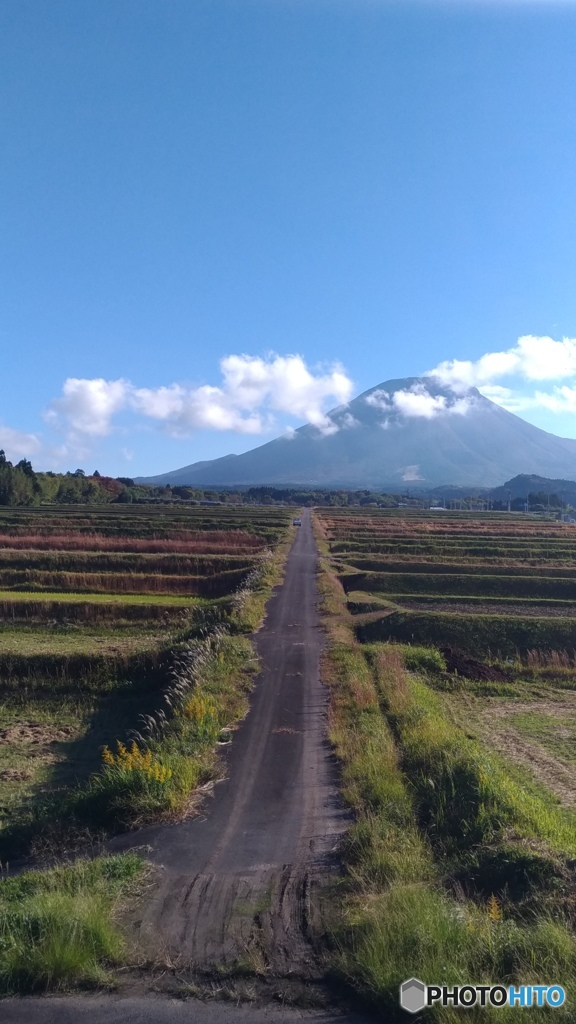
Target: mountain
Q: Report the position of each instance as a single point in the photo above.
(523, 485)
(411, 432)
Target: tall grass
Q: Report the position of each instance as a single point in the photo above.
(465, 797)
(206, 543)
(56, 926)
(163, 564)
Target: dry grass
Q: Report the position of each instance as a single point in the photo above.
(233, 541)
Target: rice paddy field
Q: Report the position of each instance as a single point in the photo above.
(452, 665)
(96, 603)
(497, 585)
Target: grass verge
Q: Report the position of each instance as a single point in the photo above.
(57, 927)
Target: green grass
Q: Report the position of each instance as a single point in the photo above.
(125, 794)
(408, 566)
(10, 597)
(51, 643)
(419, 931)
(462, 585)
(98, 666)
(35, 736)
(465, 795)
(480, 634)
(556, 733)
(439, 829)
(71, 789)
(57, 926)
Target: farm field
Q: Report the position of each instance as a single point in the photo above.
(452, 666)
(494, 584)
(102, 611)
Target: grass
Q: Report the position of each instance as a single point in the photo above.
(465, 797)
(480, 634)
(9, 598)
(456, 871)
(30, 643)
(463, 585)
(57, 927)
(154, 775)
(185, 542)
(553, 732)
(71, 789)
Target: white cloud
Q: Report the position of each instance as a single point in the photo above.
(89, 405)
(203, 408)
(348, 421)
(562, 399)
(421, 403)
(418, 402)
(533, 358)
(379, 399)
(253, 390)
(18, 445)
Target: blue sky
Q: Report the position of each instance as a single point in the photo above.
(376, 187)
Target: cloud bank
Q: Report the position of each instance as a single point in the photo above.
(252, 392)
(532, 359)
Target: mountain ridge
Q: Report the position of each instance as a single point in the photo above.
(406, 431)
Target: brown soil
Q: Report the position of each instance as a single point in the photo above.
(15, 775)
(462, 664)
(35, 733)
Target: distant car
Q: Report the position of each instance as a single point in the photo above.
(296, 522)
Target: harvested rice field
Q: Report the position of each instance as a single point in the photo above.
(95, 606)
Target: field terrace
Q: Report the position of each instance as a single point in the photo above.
(93, 601)
(453, 669)
(493, 584)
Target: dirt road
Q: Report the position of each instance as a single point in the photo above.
(159, 1010)
(238, 882)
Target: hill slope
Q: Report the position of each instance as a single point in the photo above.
(414, 431)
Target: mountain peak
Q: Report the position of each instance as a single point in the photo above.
(405, 430)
